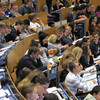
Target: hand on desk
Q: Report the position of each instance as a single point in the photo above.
(94, 81)
(91, 70)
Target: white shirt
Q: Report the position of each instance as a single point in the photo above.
(34, 25)
(75, 82)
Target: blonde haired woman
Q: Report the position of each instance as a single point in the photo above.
(77, 52)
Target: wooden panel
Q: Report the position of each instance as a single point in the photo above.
(64, 13)
(17, 52)
(41, 15)
(21, 97)
(40, 5)
(87, 24)
(69, 92)
(70, 2)
(53, 2)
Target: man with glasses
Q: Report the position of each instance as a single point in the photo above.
(95, 44)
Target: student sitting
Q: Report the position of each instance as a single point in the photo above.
(95, 94)
(26, 8)
(3, 31)
(15, 31)
(43, 38)
(31, 60)
(21, 76)
(69, 58)
(87, 58)
(42, 54)
(58, 5)
(42, 83)
(33, 22)
(74, 81)
(77, 52)
(95, 44)
(14, 10)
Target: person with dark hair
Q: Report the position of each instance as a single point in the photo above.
(43, 38)
(15, 31)
(97, 11)
(95, 44)
(25, 27)
(58, 5)
(92, 24)
(14, 10)
(33, 22)
(26, 8)
(95, 94)
(51, 96)
(42, 84)
(86, 40)
(31, 60)
(42, 54)
(88, 11)
(74, 81)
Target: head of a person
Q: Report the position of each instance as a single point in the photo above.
(32, 17)
(57, 1)
(43, 38)
(21, 76)
(29, 78)
(75, 67)
(98, 8)
(66, 62)
(2, 28)
(51, 96)
(42, 84)
(68, 30)
(89, 7)
(35, 42)
(8, 27)
(28, 2)
(26, 23)
(96, 92)
(14, 7)
(93, 19)
(86, 40)
(29, 91)
(78, 44)
(33, 52)
(95, 37)
(76, 9)
(52, 38)
(19, 24)
(60, 32)
(53, 51)
(83, 7)
(77, 52)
